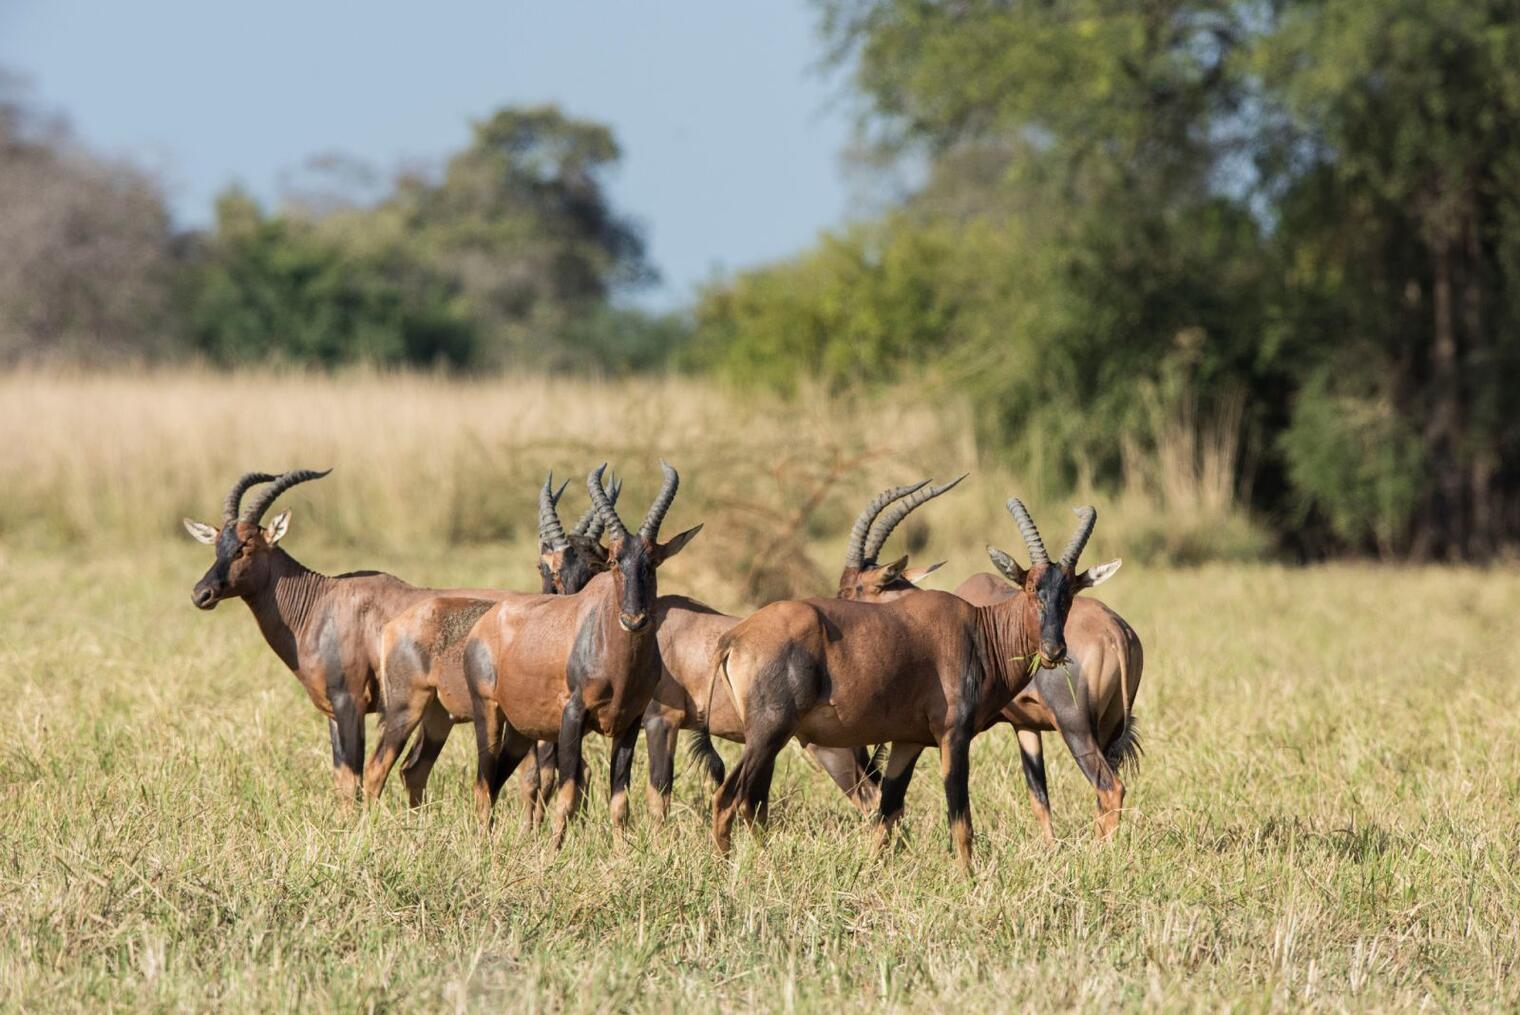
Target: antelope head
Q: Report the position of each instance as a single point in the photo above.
(634, 556)
(567, 562)
(1050, 587)
(244, 545)
(863, 576)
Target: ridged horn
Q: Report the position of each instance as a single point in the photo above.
(604, 508)
(1032, 540)
(1087, 517)
(550, 532)
(590, 524)
(662, 501)
(855, 550)
(255, 511)
(235, 495)
(882, 530)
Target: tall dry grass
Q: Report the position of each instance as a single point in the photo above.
(427, 461)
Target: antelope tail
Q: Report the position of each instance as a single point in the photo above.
(725, 646)
(702, 746)
(1124, 749)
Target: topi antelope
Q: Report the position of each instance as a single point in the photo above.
(422, 678)
(326, 629)
(1092, 709)
(925, 669)
(688, 633)
(560, 666)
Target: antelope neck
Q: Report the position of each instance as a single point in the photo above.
(1005, 638)
(287, 603)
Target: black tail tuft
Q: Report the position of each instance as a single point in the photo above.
(701, 743)
(1125, 749)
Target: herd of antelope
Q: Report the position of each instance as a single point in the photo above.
(599, 649)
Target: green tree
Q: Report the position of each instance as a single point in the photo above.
(1400, 230)
(262, 289)
(1073, 255)
(522, 224)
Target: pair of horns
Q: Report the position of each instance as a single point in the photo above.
(1087, 517)
(254, 512)
(651, 525)
(867, 539)
(551, 533)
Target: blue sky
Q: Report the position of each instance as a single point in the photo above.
(732, 136)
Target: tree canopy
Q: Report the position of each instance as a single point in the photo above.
(1292, 221)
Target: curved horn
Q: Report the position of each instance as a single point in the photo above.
(550, 532)
(594, 524)
(1037, 554)
(662, 501)
(855, 553)
(235, 495)
(1087, 517)
(882, 530)
(267, 496)
(590, 524)
(603, 506)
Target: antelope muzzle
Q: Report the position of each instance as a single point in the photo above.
(205, 595)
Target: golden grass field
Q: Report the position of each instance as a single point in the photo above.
(1326, 815)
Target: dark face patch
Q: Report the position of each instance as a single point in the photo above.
(635, 581)
(230, 574)
(1051, 589)
(565, 572)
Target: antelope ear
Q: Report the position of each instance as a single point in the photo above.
(200, 531)
(1098, 575)
(676, 544)
(1007, 566)
(893, 571)
(276, 529)
(918, 574)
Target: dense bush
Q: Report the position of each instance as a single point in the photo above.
(269, 289)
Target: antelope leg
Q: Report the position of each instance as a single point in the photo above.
(1074, 722)
(1032, 756)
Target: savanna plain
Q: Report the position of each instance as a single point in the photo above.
(1325, 815)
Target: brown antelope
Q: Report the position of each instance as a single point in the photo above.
(325, 629)
(1093, 711)
(546, 666)
(422, 679)
(926, 668)
(688, 633)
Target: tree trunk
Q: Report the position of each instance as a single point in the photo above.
(1483, 536)
(1443, 421)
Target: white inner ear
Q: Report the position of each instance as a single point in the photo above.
(200, 531)
(1103, 572)
(276, 530)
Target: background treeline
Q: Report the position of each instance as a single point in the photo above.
(1257, 260)
(507, 256)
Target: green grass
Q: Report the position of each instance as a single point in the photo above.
(1326, 816)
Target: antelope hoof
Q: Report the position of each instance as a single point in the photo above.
(619, 810)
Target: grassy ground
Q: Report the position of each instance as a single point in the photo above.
(1326, 816)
